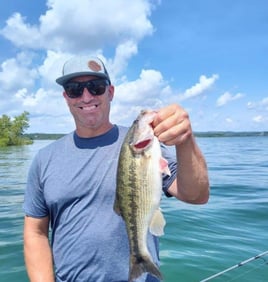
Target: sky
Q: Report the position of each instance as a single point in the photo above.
(210, 57)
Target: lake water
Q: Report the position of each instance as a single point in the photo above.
(199, 241)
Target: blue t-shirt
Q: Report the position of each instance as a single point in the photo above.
(73, 181)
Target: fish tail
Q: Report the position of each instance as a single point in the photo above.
(142, 264)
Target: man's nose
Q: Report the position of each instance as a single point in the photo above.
(86, 96)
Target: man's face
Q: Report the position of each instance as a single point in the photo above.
(90, 112)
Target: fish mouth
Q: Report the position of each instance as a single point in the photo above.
(143, 144)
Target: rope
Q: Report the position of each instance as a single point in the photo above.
(236, 266)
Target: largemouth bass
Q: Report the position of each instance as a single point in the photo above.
(138, 192)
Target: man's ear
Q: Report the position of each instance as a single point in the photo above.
(111, 92)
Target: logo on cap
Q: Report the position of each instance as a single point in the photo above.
(93, 65)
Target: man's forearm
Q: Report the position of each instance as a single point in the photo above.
(192, 174)
(38, 258)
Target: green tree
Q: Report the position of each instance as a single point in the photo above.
(11, 131)
(5, 125)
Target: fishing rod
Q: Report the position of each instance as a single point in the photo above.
(236, 266)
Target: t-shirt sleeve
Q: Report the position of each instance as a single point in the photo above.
(170, 156)
(34, 203)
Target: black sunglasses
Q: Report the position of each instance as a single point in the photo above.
(96, 87)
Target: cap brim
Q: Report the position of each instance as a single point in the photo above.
(63, 79)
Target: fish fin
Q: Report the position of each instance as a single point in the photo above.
(142, 264)
(164, 166)
(157, 223)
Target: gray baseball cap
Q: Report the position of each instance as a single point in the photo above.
(81, 66)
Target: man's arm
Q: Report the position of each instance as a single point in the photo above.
(37, 251)
(172, 127)
(192, 184)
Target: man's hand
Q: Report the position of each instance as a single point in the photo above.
(172, 125)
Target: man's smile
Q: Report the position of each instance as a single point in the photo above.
(88, 108)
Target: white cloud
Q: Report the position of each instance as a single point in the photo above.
(61, 33)
(97, 24)
(20, 33)
(45, 102)
(259, 105)
(51, 67)
(258, 119)
(229, 120)
(199, 88)
(148, 91)
(17, 73)
(228, 97)
(251, 105)
(31, 100)
(145, 87)
(264, 101)
(114, 35)
(123, 53)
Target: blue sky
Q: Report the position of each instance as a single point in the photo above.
(209, 56)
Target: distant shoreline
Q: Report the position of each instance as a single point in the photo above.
(54, 136)
(231, 134)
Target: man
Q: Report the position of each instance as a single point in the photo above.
(71, 184)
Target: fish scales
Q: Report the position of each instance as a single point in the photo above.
(135, 202)
(138, 193)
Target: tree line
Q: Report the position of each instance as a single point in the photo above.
(12, 130)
